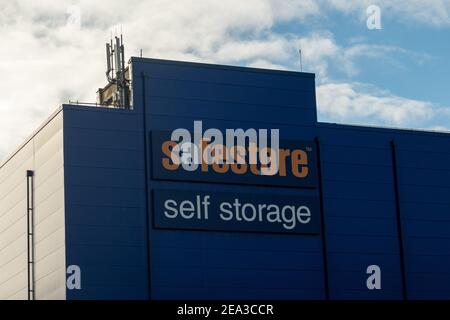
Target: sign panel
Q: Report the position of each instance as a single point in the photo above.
(296, 165)
(223, 211)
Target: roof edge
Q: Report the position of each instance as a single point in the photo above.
(4, 161)
(223, 67)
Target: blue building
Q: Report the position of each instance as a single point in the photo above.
(88, 209)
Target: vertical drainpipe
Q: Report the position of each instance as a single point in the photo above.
(322, 221)
(147, 176)
(399, 219)
(30, 234)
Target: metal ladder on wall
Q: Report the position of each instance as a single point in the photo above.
(30, 234)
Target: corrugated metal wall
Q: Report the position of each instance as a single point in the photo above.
(360, 211)
(363, 216)
(105, 202)
(106, 174)
(424, 179)
(43, 153)
(212, 265)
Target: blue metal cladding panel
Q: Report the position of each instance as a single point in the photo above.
(106, 233)
(214, 264)
(106, 213)
(360, 212)
(425, 200)
(187, 264)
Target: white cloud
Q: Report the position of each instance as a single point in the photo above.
(264, 64)
(45, 61)
(272, 48)
(317, 51)
(430, 12)
(440, 128)
(320, 51)
(357, 104)
(295, 9)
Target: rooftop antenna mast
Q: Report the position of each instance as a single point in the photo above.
(115, 70)
(300, 59)
(110, 62)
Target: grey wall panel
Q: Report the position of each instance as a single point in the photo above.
(53, 262)
(11, 170)
(49, 168)
(50, 205)
(42, 153)
(14, 199)
(46, 229)
(50, 272)
(13, 250)
(12, 216)
(20, 295)
(50, 286)
(13, 285)
(48, 246)
(13, 268)
(14, 232)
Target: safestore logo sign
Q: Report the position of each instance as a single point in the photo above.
(240, 156)
(287, 168)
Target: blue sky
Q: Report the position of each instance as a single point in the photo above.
(423, 77)
(405, 58)
(395, 77)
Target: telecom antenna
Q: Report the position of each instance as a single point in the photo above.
(300, 59)
(116, 74)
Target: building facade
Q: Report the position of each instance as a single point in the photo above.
(353, 212)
